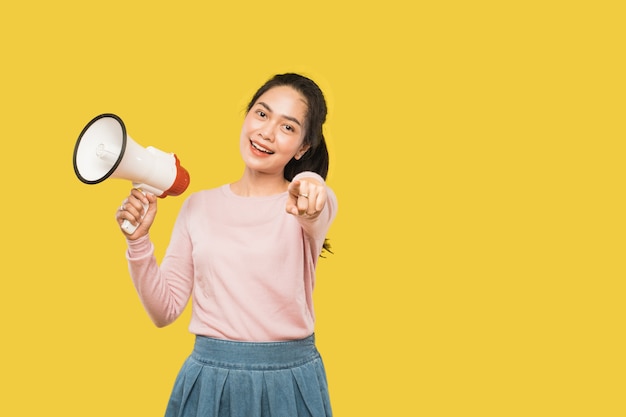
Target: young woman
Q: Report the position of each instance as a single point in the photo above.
(245, 253)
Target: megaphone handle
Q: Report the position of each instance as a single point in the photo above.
(128, 227)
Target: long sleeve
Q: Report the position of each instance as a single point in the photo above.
(316, 229)
(164, 291)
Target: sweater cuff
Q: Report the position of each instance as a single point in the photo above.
(139, 248)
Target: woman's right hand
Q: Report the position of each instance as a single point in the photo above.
(132, 209)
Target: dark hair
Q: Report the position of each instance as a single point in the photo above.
(315, 158)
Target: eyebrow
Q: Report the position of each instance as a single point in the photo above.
(293, 119)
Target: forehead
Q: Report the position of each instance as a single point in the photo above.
(284, 100)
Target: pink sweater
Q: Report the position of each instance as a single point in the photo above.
(248, 266)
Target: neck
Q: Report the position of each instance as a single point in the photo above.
(258, 185)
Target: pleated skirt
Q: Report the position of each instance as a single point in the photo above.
(224, 378)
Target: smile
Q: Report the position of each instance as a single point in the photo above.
(259, 148)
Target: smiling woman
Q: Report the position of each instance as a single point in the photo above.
(273, 133)
(255, 352)
(316, 157)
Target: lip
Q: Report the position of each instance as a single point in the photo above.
(260, 149)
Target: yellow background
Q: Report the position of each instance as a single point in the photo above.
(477, 153)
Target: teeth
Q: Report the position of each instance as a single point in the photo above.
(255, 146)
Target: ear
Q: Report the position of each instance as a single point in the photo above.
(305, 147)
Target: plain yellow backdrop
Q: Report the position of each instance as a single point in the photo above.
(478, 157)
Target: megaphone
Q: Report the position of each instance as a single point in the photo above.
(104, 150)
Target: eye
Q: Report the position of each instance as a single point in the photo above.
(261, 113)
(289, 128)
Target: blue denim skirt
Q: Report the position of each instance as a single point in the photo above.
(223, 378)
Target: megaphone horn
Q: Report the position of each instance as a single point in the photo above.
(104, 150)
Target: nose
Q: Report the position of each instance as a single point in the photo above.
(267, 133)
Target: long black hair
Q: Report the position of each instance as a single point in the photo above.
(316, 158)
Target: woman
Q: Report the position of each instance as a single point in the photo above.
(245, 253)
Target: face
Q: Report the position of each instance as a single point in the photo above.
(273, 131)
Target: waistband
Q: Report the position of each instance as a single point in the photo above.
(254, 355)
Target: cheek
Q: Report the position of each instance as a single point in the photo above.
(248, 128)
(292, 146)
(244, 138)
(247, 124)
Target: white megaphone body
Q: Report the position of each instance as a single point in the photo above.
(104, 150)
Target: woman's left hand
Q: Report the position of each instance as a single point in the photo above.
(307, 197)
